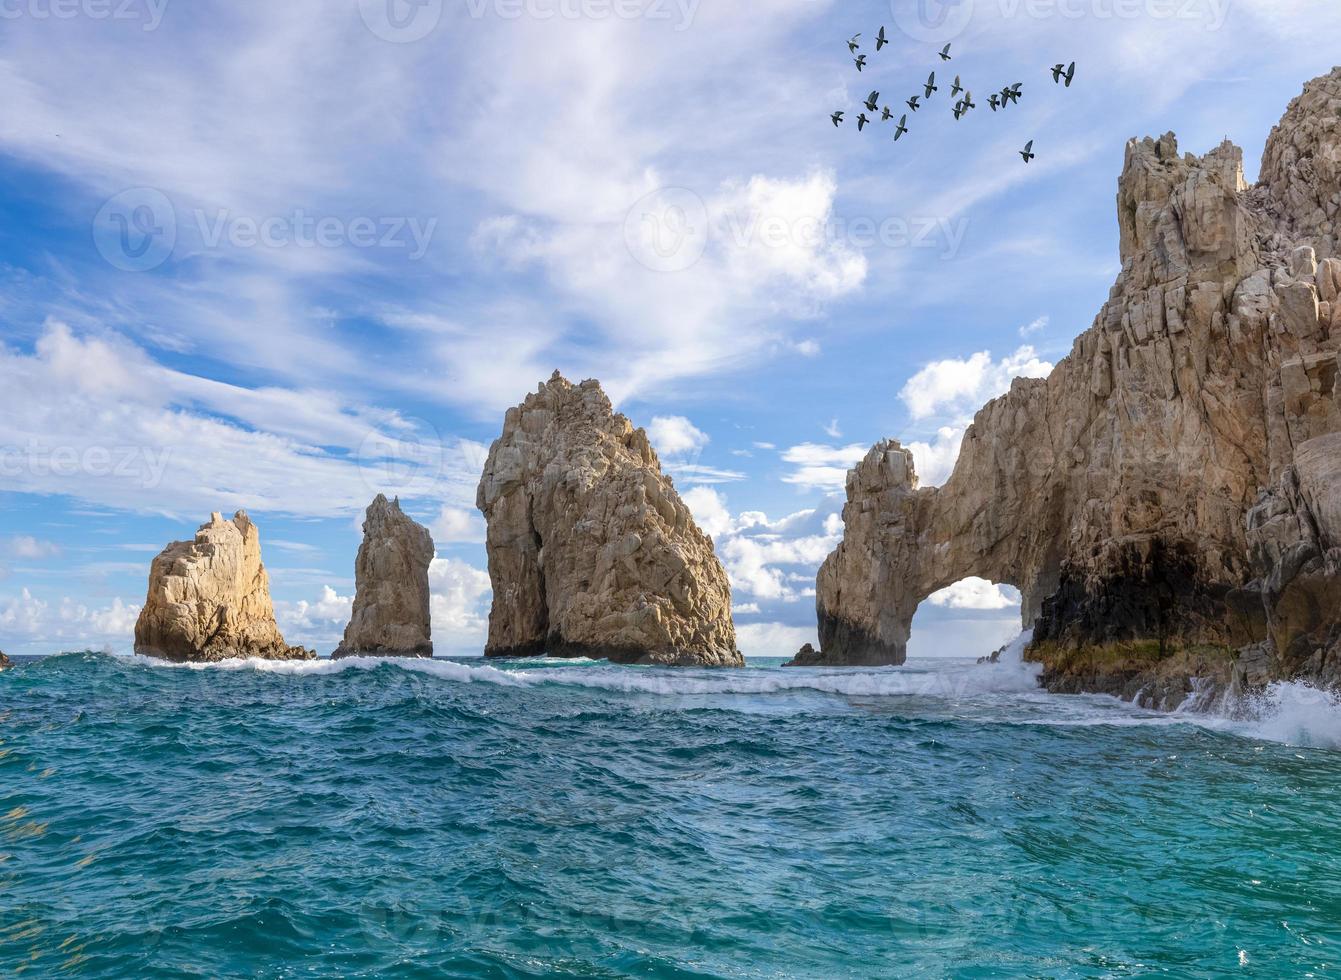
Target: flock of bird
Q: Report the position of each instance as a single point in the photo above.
(1061, 74)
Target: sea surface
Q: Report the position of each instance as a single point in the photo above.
(557, 818)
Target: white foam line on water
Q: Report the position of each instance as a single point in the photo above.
(1289, 713)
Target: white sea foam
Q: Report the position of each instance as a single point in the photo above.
(1289, 713)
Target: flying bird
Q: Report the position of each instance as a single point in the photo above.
(852, 44)
(968, 102)
(881, 40)
(901, 128)
(1070, 73)
(945, 53)
(959, 109)
(931, 84)
(1058, 70)
(871, 101)
(1028, 151)
(956, 88)
(885, 114)
(859, 61)
(837, 117)
(912, 103)
(861, 121)
(994, 101)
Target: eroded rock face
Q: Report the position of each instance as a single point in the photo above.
(1121, 494)
(5, 662)
(391, 603)
(209, 599)
(591, 551)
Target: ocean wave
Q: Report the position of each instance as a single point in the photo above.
(953, 681)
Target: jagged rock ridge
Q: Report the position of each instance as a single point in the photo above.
(209, 599)
(591, 551)
(1166, 500)
(390, 617)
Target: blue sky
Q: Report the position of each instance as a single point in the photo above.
(286, 256)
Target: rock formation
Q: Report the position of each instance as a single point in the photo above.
(1167, 499)
(5, 662)
(591, 551)
(209, 599)
(391, 605)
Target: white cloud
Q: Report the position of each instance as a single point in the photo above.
(822, 467)
(774, 639)
(459, 597)
(745, 609)
(26, 546)
(975, 593)
(127, 432)
(1034, 326)
(832, 430)
(935, 461)
(457, 525)
(709, 509)
(675, 435)
(966, 384)
(34, 624)
(324, 617)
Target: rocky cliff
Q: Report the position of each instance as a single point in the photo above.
(209, 599)
(591, 551)
(1167, 499)
(391, 603)
(5, 662)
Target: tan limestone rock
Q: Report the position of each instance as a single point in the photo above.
(591, 550)
(390, 617)
(209, 599)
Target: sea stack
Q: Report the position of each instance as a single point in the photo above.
(591, 551)
(1167, 499)
(209, 599)
(391, 602)
(5, 662)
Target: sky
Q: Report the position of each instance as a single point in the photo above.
(286, 256)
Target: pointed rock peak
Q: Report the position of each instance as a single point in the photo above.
(391, 616)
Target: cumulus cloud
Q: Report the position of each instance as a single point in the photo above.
(822, 467)
(38, 626)
(964, 385)
(935, 460)
(457, 525)
(774, 639)
(459, 597)
(26, 546)
(975, 593)
(675, 435)
(1034, 326)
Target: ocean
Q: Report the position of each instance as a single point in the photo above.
(557, 818)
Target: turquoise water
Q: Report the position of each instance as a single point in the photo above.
(577, 819)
